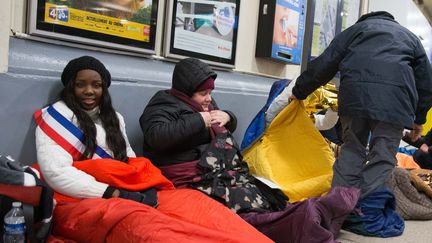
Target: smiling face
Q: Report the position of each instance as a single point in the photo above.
(203, 98)
(88, 89)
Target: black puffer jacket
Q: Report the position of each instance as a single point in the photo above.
(385, 73)
(173, 132)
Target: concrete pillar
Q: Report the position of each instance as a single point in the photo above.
(5, 15)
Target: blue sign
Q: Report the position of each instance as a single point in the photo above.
(61, 14)
(288, 32)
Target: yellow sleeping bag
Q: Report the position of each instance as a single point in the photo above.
(428, 125)
(293, 154)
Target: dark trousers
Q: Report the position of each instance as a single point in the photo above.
(368, 153)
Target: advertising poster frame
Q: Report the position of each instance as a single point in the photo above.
(325, 26)
(204, 29)
(350, 13)
(99, 22)
(288, 30)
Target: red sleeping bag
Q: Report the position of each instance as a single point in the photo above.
(183, 215)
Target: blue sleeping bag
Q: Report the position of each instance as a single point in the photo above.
(257, 126)
(375, 215)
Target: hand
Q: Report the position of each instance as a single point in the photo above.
(207, 118)
(416, 132)
(219, 117)
(424, 148)
(291, 36)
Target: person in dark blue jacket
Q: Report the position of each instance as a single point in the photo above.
(423, 155)
(385, 86)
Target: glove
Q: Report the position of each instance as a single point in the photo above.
(135, 196)
(150, 197)
(112, 192)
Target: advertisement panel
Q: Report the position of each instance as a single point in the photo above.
(129, 23)
(288, 30)
(324, 25)
(206, 29)
(350, 13)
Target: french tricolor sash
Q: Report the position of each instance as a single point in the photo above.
(65, 133)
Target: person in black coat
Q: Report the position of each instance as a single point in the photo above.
(190, 141)
(385, 86)
(173, 132)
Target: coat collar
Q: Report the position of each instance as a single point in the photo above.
(376, 15)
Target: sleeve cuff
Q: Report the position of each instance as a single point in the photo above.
(108, 192)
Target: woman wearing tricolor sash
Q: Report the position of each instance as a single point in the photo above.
(104, 193)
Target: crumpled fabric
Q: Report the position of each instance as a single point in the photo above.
(293, 154)
(375, 215)
(407, 151)
(322, 98)
(224, 176)
(183, 215)
(258, 125)
(316, 220)
(428, 125)
(136, 175)
(410, 202)
(406, 161)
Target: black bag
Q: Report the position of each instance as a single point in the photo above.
(36, 229)
(37, 201)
